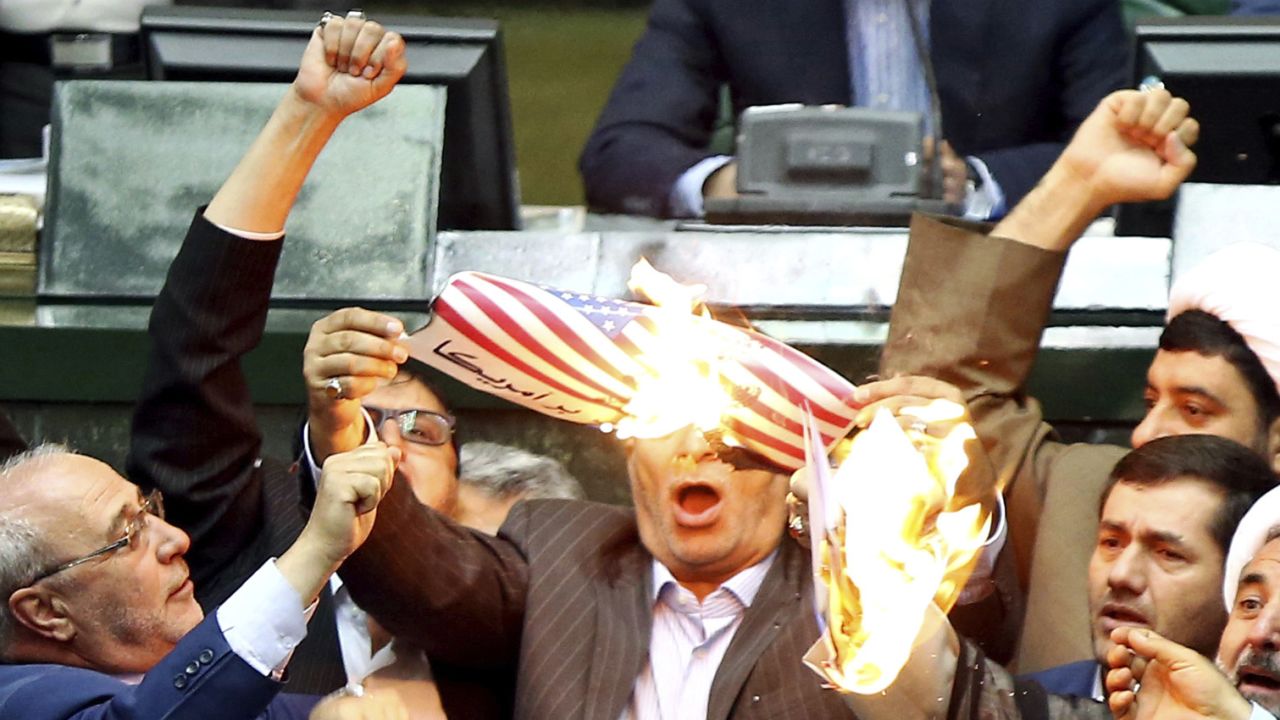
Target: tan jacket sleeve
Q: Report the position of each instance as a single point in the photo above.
(970, 310)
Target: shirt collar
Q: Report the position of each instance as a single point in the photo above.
(744, 585)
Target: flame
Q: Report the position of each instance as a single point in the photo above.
(683, 385)
(899, 543)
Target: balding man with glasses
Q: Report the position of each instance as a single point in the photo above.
(101, 619)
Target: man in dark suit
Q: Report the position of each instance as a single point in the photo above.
(600, 609)
(1013, 85)
(194, 435)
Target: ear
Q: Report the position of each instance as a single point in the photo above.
(1273, 444)
(42, 613)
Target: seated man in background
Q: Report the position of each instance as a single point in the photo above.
(1163, 533)
(948, 676)
(971, 308)
(100, 618)
(494, 477)
(1013, 86)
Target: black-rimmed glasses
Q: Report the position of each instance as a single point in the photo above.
(420, 426)
(152, 506)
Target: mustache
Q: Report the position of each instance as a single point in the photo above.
(1266, 661)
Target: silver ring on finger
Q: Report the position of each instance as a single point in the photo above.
(1151, 82)
(324, 19)
(919, 426)
(355, 14)
(333, 389)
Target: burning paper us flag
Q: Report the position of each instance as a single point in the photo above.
(891, 535)
(634, 366)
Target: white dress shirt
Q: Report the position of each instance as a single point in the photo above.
(688, 640)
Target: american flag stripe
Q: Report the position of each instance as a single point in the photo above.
(573, 329)
(578, 357)
(458, 321)
(829, 409)
(781, 452)
(804, 368)
(514, 328)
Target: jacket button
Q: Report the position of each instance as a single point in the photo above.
(180, 681)
(206, 656)
(755, 698)
(192, 668)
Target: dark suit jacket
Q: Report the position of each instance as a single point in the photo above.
(1075, 679)
(562, 595)
(1014, 83)
(195, 437)
(219, 686)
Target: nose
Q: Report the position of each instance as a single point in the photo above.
(1153, 427)
(1128, 574)
(171, 542)
(1264, 633)
(692, 443)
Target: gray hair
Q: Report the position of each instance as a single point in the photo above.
(503, 471)
(23, 552)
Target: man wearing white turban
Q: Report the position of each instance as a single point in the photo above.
(970, 311)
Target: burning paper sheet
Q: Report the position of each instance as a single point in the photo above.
(891, 537)
(635, 368)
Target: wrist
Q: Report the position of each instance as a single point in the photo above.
(308, 563)
(1055, 212)
(308, 114)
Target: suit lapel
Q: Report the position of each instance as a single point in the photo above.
(773, 607)
(624, 618)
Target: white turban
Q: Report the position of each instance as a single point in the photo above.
(1239, 285)
(1251, 535)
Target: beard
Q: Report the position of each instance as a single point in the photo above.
(1265, 662)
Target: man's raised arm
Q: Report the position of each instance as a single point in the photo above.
(194, 432)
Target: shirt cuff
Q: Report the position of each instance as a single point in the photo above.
(985, 202)
(686, 194)
(1259, 713)
(264, 621)
(248, 234)
(370, 432)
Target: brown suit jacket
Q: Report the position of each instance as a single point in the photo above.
(970, 310)
(562, 597)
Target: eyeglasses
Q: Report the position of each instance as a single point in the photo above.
(420, 426)
(152, 506)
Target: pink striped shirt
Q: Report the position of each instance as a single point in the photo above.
(688, 641)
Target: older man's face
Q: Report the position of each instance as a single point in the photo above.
(131, 606)
(701, 518)
(1250, 650)
(1157, 565)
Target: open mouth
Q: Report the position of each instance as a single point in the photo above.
(1257, 679)
(696, 505)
